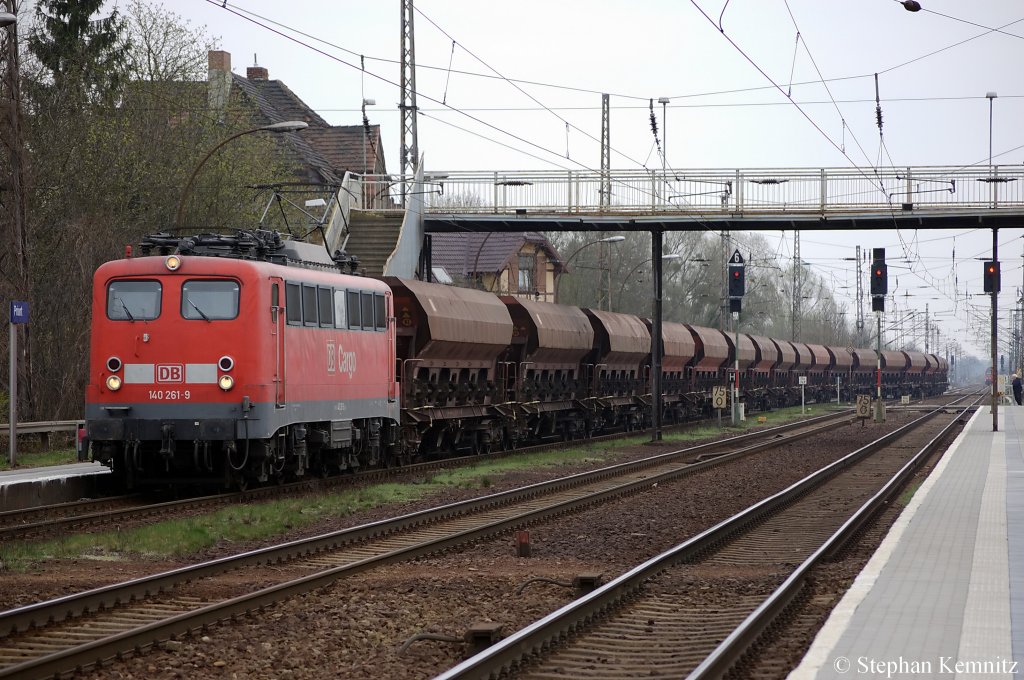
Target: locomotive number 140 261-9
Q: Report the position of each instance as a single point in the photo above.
(170, 395)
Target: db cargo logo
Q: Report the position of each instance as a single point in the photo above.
(170, 373)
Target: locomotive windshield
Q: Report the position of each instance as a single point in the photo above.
(209, 300)
(133, 300)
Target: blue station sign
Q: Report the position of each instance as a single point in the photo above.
(19, 311)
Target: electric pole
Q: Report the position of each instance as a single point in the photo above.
(606, 152)
(797, 288)
(409, 151)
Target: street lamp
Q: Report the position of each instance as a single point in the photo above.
(366, 133)
(6, 19)
(285, 126)
(670, 256)
(990, 96)
(565, 263)
(995, 288)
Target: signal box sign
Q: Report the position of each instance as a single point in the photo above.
(19, 311)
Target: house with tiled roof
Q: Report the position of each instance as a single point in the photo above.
(323, 155)
(324, 151)
(523, 264)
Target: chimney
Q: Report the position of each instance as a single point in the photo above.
(218, 80)
(257, 73)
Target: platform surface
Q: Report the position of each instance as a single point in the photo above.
(943, 596)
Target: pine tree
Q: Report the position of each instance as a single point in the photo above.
(83, 58)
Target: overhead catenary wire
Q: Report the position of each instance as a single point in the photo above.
(517, 87)
(618, 95)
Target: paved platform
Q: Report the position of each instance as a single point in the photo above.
(35, 486)
(943, 596)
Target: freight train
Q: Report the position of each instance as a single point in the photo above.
(248, 358)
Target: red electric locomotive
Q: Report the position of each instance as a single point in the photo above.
(238, 359)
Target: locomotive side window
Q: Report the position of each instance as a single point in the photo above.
(354, 309)
(209, 300)
(380, 312)
(326, 305)
(293, 303)
(309, 317)
(133, 300)
(367, 299)
(339, 310)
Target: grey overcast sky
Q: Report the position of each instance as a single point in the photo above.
(934, 69)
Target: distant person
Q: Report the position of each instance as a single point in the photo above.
(1017, 388)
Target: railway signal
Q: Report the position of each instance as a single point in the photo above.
(737, 281)
(879, 280)
(992, 277)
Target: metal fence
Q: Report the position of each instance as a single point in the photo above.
(813, 190)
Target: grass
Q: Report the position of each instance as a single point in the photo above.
(908, 494)
(29, 459)
(188, 536)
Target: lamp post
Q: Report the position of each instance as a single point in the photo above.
(670, 256)
(565, 264)
(19, 230)
(285, 126)
(366, 133)
(991, 177)
(995, 288)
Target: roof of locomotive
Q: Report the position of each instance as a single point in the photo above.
(251, 245)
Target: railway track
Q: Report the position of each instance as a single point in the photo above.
(78, 631)
(695, 609)
(50, 520)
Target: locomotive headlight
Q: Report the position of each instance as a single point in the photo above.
(113, 383)
(226, 382)
(172, 262)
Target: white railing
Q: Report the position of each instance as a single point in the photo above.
(761, 190)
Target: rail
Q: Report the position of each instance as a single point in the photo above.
(509, 653)
(706, 191)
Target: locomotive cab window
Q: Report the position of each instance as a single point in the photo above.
(133, 300)
(209, 300)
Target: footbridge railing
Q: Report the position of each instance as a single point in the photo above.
(761, 190)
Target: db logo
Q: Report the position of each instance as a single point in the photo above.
(170, 373)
